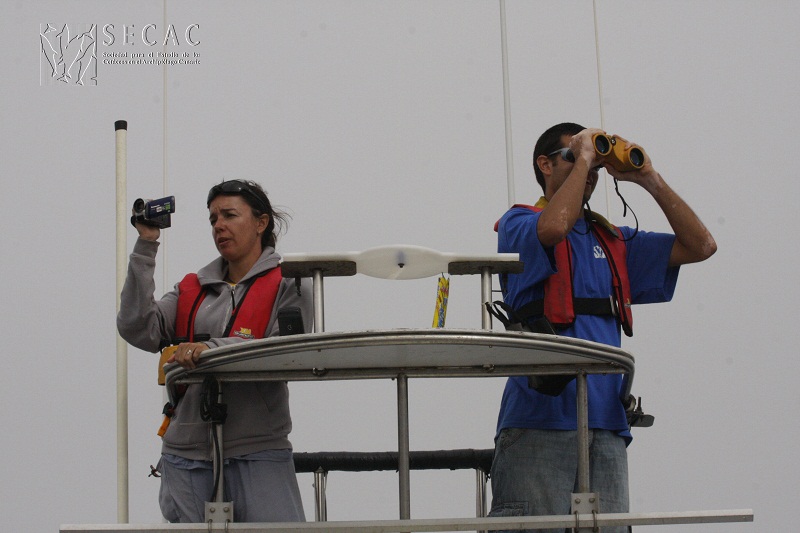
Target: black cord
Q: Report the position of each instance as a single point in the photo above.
(208, 398)
(218, 473)
(216, 413)
(625, 208)
(587, 218)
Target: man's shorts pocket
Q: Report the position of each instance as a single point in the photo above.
(508, 509)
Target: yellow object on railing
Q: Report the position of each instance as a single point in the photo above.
(442, 293)
(166, 353)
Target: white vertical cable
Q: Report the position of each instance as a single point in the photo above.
(164, 158)
(507, 106)
(600, 97)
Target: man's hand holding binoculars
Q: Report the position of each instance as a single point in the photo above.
(644, 175)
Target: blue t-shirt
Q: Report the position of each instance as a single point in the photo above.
(651, 280)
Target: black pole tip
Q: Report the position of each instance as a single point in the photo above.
(121, 125)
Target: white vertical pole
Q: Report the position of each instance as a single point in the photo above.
(164, 248)
(507, 107)
(121, 127)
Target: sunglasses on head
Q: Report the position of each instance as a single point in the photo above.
(567, 155)
(236, 187)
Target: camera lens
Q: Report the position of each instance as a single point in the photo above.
(602, 144)
(138, 205)
(636, 157)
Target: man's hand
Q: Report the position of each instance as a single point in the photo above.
(582, 146)
(693, 241)
(646, 177)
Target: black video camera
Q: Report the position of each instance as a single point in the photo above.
(154, 212)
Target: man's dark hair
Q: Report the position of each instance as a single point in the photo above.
(549, 142)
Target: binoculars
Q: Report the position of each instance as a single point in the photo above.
(154, 212)
(615, 153)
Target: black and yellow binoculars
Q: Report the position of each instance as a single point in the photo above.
(616, 154)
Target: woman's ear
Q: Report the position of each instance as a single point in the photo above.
(263, 223)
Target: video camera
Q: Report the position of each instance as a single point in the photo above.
(153, 212)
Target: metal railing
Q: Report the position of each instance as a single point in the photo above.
(320, 463)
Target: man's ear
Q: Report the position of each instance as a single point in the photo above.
(545, 164)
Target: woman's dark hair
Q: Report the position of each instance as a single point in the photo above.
(549, 142)
(252, 193)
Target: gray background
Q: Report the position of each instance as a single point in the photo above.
(378, 123)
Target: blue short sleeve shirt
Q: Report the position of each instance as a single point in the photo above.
(651, 280)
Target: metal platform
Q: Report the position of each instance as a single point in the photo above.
(412, 353)
(585, 523)
(401, 354)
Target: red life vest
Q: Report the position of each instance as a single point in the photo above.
(559, 301)
(248, 320)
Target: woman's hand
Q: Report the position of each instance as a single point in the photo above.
(188, 354)
(146, 232)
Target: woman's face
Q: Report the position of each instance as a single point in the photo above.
(236, 232)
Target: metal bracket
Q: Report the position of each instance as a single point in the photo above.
(219, 513)
(585, 503)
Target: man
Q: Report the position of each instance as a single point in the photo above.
(567, 249)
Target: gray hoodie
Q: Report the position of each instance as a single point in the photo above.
(258, 413)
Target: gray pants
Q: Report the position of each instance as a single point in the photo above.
(535, 471)
(262, 490)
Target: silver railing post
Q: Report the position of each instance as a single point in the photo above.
(319, 302)
(219, 457)
(486, 296)
(583, 432)
(480, 493)
(218, 510)
(321, 508)
(403, 463)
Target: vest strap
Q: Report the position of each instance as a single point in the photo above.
(582, 306)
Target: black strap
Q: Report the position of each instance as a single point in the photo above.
(235, 311)
(581, 306)
(193, 312)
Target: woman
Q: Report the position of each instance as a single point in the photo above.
(241, 293)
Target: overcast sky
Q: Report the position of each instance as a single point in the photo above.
(378, 123)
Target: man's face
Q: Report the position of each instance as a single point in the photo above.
(560, 170)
